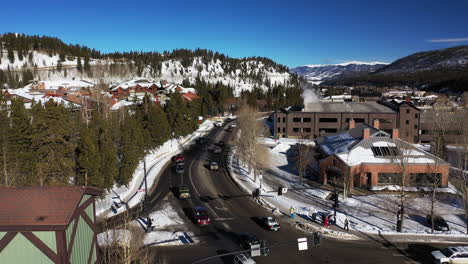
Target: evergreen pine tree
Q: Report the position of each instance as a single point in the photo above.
(87, 67)
(52, 145)
(89, 159)
(79, 66)
(11, 55)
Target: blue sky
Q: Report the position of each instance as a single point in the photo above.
(290, 32)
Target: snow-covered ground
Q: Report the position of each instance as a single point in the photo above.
(371, 214)
(168, 230)
(121, 197)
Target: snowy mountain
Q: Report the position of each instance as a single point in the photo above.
(242, 74)
(318, 73)
(451, 59)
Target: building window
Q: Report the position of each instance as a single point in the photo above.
(296, 119)
(407, 122)
(284, 119)
(415, 115)
(388, 178)
(306, 129)
(306, 119)
(328, 130)
(415, 126)
(279, 120)
(385, 151)
(284, 130)
(279, 130)
(359, 120)
(295, 129)
(328, 120)
(425, 179)
(407, 111)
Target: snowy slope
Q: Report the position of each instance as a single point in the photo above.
(44, 67)
(326, 72)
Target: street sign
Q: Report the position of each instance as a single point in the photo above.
(302, 243)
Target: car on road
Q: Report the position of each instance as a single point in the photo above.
(218, 124)
(439, 223)
(200, 216)
(247, 240)
(214, 165)
(217, 150)
(233, 125)
(243, 259)
(450, 255)
(183, 192)
(229, 129)
(178, 158)
(270, 223)
(180, 168)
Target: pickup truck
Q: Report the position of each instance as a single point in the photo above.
(214, 165)
(183, 192)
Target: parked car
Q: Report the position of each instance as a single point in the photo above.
(450, 255)
(270, 223)
(218, 123)
(214, 165)
(179, 168)
(232, 125)
(200, 216)
(183, 192)
(178, 158)
(217, 150)
(243, 259)
(439, 223)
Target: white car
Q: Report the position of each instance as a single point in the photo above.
(450, 255)
(218, 123)
(243, 259)
(233, 125)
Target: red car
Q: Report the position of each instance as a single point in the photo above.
(200, 216)
(178, 158)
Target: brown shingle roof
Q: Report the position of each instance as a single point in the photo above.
(34, 206)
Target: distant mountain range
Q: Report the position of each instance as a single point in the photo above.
(319, 73)
(451, 58)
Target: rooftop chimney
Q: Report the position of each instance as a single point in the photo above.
(366, 133)
(377, 123)
(395, 133)
(352, 123)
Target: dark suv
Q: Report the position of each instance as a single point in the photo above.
(200, 216)
(439, 223)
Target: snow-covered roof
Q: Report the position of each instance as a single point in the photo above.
(55, 84)
(132, 83)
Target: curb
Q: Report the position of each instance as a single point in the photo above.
(325, 231)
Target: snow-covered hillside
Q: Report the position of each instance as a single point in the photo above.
(318, 73)
(251, 73)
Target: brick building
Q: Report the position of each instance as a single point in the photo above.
(320, 119)
(367, 156)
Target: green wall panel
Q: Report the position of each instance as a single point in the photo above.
(48, 238)
(90, 212)
(82, 245)
(69, 232)
(21, 250)
(85, 198)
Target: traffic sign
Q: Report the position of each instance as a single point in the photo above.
(302, 243)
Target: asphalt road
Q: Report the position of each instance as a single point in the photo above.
(234, 212)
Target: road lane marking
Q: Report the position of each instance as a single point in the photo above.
(224, 219)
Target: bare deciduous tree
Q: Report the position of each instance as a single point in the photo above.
(461, 177)
(303, 157)
(249, 129)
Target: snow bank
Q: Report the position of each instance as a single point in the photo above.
(119, 198)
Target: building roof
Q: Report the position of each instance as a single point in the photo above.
(36, 208)
(348, 107)
(344, 140)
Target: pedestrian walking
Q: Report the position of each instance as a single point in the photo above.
(291, 210)
(326, 222)
(346, 224)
